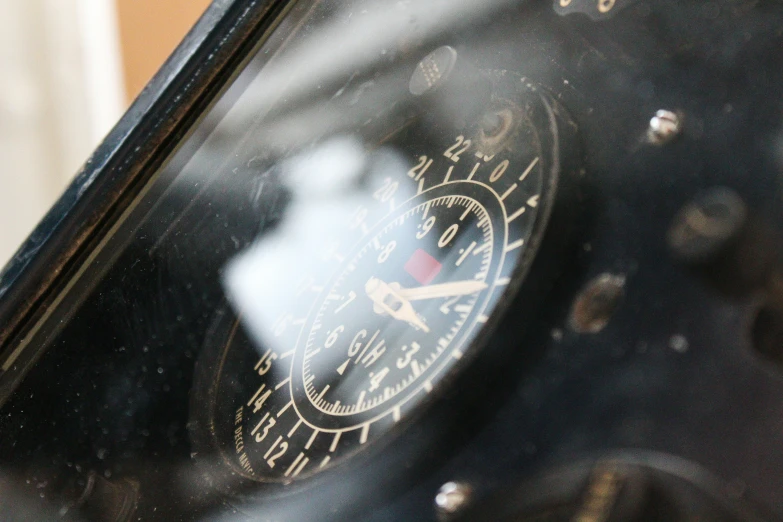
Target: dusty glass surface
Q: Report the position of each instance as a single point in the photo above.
(346, 268)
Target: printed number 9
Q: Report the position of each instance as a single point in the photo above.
(426, 227)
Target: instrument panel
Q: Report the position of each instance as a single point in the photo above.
(509, 260)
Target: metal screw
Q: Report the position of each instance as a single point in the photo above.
(597, 302)
(678, 343)
(605, 6)
(452, 497)
(496, 126)
(492, 124)
(664, 127)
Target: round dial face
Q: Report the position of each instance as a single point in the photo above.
(398, 300)
(398, 308)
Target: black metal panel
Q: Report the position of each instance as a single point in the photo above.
(671, 382)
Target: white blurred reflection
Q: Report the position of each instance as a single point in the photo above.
(357, 40)
(328, 184)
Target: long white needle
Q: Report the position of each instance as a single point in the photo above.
(450, 289)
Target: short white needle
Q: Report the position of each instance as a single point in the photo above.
(388, 301)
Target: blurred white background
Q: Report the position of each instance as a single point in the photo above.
(69, 70)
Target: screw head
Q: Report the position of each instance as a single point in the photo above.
(664, 127)
(495, 129)
(452, 497)
(604, 6)
(596, 303)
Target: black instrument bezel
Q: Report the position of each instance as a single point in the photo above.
(469, 392)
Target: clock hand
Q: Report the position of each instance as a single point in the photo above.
(387, 300)
(449, 289)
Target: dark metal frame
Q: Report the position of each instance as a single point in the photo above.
(164, 111)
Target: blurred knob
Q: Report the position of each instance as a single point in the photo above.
(716, 238)
(455, 89)
(611, 490)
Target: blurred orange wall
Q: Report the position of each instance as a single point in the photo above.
(149, 32)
